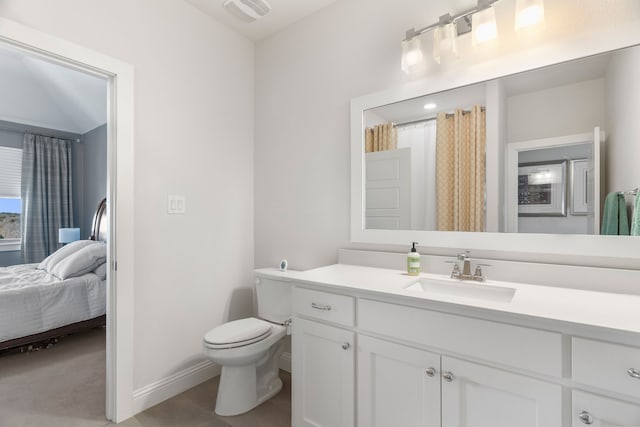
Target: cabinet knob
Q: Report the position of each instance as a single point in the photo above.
(585, 417)
(431, 372)
(345, 346)
(321, 306)
(633, 373)
(448, 376)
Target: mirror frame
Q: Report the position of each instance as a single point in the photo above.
(596, 250)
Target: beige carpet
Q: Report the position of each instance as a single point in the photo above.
(62, 386)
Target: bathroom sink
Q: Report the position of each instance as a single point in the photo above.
(463, 289)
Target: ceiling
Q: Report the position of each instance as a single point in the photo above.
(38, 92)
(413, 109)
(283, 13)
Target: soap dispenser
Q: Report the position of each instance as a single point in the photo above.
(413, 261)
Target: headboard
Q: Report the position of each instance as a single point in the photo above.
(99, 223)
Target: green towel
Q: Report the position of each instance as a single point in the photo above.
(614, 220)
(635, 218)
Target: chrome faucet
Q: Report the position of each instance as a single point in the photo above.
(465, 274)
(466, 263)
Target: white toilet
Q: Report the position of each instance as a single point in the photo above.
(249, 349)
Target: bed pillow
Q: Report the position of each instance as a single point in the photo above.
(52, 260)
(101, 271)
(81, 262)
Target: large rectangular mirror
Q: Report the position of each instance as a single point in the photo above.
(543, 153)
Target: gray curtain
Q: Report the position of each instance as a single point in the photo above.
(47, 201)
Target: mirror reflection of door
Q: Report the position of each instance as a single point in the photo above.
(388, 196)
(566, 202)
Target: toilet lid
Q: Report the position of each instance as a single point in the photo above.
(238, 332)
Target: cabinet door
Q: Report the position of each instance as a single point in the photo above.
(598, 411)
(397, 385)
(479, 396)
(323, 376)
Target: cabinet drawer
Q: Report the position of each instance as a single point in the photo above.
(529, 349)
(608, 366)
(324, 306)
(602, 411)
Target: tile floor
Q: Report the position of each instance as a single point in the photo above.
(194, 408)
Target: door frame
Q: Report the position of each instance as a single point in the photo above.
(513, 151)
(120, 246)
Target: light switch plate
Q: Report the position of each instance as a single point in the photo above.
(176, 204)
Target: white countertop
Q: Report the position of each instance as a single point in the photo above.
(599, 309)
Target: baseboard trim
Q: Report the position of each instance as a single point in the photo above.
(285, 362)
(165, 388)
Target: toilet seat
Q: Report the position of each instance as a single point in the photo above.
(237, 333)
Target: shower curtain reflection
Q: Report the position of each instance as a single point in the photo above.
(460, 181)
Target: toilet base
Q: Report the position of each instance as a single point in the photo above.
(242, 388)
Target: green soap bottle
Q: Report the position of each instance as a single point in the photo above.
(413, 261)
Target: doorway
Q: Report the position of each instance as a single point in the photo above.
(538, 158)
(120, 246)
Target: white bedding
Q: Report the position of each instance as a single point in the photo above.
(34, 301)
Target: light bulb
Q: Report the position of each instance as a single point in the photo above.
(412, 57)
(529, 15)
(444, 42)
(484, 26)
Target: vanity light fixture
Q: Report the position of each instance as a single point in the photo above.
(480, 21)
(444, 38)
(529, 15)
(484, 26)
(412, 58)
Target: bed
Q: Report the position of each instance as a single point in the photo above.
(63, 294)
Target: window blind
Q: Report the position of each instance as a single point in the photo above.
(10, 172)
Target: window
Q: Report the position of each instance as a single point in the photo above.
(10, 203)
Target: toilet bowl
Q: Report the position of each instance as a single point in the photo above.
(249, 366)
(248, 350)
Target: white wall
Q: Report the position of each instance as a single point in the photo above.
(623, 124)
(564, 110)
(496, 140)
(193, 136)
(315, 67)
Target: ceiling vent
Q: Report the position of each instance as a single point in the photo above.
(247, 10)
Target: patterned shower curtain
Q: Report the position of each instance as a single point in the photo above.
(381, 138)
(460, 170)
(47, 202)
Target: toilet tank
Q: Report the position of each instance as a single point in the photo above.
(273, 296)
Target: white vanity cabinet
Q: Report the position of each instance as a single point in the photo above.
(610, 367)
(404, 386)
(600, 411)
(397, 385)
(359, 360)
(478, 396)
(323, 361)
